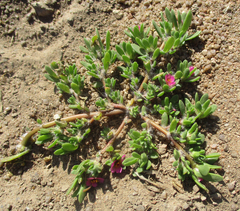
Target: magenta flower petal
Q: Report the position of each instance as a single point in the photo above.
(119, 170)
(170, 80)
(101, 180)
(94, 184)
(191, 68)
(123, 157)
(113, 169)
(117, 165)
(93, 181)
(139, 27)
(88, 183)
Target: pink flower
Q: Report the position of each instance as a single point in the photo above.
(117, 165)
(139, 27)
(170, 80)
(191, 68)
(93, 181)
(200, 179)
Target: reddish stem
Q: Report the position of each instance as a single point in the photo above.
(115, 136)
(90, 115)
(168, 135)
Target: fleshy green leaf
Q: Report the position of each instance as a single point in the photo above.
(203, 169)
(187, 22)
(194, 35)
(63, 87)
(50, 72)
(69, 147)
(204, 98)
(173, 126)
(130, 161)
(168, 44)
(108, 40)
(176, 154)
(156, 54)
(136, 155)
(164, 121)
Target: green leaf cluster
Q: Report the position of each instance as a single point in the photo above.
(200, 171)
(144, 150)
(64, 142)
(137, 32)
(87, 168)
(125, 52)
(173, 30)
(184, 74)
(67, 80)
(102, 103)
(106, 133)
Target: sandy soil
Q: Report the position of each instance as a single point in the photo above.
(32, 38)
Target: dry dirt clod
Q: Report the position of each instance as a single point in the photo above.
(42, 9)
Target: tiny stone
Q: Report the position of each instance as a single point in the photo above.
(140, 208)
(8, 109)
(222, 137)
(214, 146)
(43, 183)
(134, 194)
(7, 177)
(89, 209)
(162, 149)
(45, 101)
(23, 43)
(231, 185)
(48, 199)
(216, 197)
(185, 206)
(153, 188)
(183, 197)
(203, 198)
(152, 194)
(200, 206)
(234, 154)
(9, 207)
(164, 195)
(206, 68)
(195, 189)
(50, 184)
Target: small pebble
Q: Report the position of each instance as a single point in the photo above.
(45, 101)
(50, 184)
(140, 208)
(164, 195)
(222, 137)
(214, 146)
(207, 68)
(231, 185)
(234, 154)
(153, 188)
(216, 196)
(185, 206)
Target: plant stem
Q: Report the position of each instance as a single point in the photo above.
(139, 90)
(168, 135)
(90, 115)
(144, 81)
(149, 181)
(119, 106)
(115, 136)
